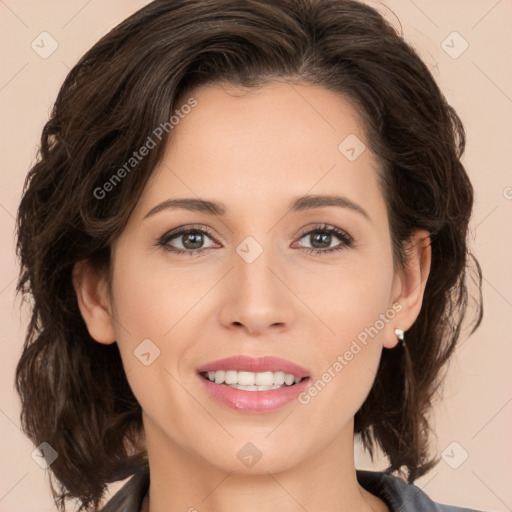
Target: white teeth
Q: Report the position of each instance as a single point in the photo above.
(253, 388)
(253, 381)
(231, 377)
(264, 379)
(279, 378)
(245, 378)
(289, 379)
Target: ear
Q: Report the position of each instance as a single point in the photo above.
(409, 286)
(94, 302)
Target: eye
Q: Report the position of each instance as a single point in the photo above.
(321, 237)
(190, 239)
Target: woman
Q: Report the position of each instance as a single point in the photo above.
(245, 240)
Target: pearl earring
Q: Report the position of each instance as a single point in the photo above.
(399, 334)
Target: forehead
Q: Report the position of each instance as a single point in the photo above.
(260, 144)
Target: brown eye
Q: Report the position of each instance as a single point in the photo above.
(188, 241)
(321, 238)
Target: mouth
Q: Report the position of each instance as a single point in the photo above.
(254, 384)
(250, 381)
(245, 370)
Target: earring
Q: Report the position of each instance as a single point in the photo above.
(399, 334)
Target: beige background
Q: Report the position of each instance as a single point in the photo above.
(476, 412)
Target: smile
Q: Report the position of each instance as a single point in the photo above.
(253, 384)
(250, 381)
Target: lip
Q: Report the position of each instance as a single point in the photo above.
(254, 401)
(256, 365)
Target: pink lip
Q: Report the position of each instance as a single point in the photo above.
(254, 401)
(255, 365)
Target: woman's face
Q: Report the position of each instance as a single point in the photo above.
(256, 288)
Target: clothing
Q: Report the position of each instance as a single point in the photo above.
(398, 496)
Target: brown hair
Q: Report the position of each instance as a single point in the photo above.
(74, 391)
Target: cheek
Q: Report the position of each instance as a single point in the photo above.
(153, 308)
(354, 304)
(349, 297)
(151, 299)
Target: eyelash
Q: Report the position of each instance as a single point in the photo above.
(346, 239)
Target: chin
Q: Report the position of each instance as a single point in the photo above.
(252, 457)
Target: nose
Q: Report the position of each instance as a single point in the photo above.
(257, 298)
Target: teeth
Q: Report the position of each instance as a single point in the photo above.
(219, 376)
(252, 381)
(253, 388)
(289, 379)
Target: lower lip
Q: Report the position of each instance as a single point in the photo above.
(254, 401)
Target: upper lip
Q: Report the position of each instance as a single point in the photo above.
(255, 365)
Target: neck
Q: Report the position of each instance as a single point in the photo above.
(326, 480)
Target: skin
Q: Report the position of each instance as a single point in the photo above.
(255, 153)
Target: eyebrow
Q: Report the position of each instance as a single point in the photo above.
(300, 204)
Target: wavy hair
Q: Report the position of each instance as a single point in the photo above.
(73, 390)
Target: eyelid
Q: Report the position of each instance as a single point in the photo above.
(325, 227)
(181, 230)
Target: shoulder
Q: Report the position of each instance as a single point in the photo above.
(402, 497)
(398, 496)
(130, 497)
